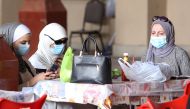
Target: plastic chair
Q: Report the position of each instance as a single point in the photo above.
(7, 104)
(182, 102)
(94, 14)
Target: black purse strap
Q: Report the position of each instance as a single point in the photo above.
(96, 52)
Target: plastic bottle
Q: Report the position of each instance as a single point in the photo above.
(126, 58)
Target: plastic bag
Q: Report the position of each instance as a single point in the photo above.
(66, 65)
(145, 71)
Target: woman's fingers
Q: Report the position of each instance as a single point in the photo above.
(50, 75)
(58, 61)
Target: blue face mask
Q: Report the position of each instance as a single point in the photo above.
(23, 49)
(57, 49)
(158, 42)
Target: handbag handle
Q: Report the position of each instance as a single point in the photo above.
(95, 43)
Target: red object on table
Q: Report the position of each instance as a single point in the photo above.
(8, 67)
(125, 58)
(38, 13)
(123, 77)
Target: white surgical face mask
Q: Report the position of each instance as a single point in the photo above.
(158, 42)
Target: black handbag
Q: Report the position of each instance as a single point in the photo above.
(94, 69)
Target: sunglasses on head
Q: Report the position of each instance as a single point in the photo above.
(161, 18)
(58, 42)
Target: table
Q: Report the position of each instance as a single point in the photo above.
(136, 93)
(60, 94)
(118, 93)
(71, 92)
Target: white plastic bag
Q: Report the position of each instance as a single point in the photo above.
(145, 71)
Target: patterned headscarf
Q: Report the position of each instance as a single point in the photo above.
(166, 49)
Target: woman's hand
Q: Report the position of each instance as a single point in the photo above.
(57, 73)
(54, 75)
(42, 76)
(58, 61)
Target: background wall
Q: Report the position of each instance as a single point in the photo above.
(75, 15)
(9, 10)
(0, 11)
(131, 27)
(131, 24)
(177, 11)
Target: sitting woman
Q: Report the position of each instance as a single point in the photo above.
(162, 47)
(18, 38)
(51, 46)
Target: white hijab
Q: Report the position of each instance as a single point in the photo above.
(43, 58)
(20, 31)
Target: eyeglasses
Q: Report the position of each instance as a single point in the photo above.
(161, 18)
(58, 42)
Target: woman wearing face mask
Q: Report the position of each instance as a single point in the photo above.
(52, 41)
(17, 36)
(162, 47)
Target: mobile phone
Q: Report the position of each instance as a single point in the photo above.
(53, 68)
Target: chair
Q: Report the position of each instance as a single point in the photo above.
(7, 104)
(94, 14)
(182, 102)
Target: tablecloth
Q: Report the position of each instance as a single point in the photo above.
(136, 93)
(17, 96)
(119, 93)
(72, 92)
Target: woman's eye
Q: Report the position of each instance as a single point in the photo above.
(161, 33)
(153, 33)
(23, 42)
